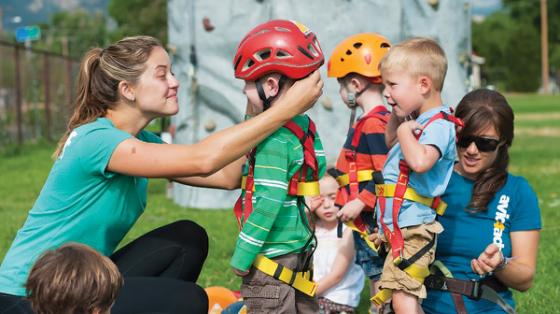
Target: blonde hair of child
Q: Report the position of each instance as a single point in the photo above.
(418, 57)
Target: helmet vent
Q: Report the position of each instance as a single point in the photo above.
(312, 50)
(282, 29)
(282, 54)
(237, 63)
(248, 64)
(385, 45)
(341, 59)
(358, 45)
(305, 52)
(348, 52)
(316, 43)
(262, 54)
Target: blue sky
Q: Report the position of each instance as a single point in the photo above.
(485, 7)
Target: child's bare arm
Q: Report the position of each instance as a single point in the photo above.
(341, 263)
(419, 157)
(228, 178)
(351, 210)
(391, 131)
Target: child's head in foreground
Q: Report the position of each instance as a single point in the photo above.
(354, 62)
(413, 71)
(73, 278)
(328, 186)
(271, 57)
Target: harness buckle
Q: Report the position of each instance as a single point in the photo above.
(293, 278)
(435, 202)
(435, 282)
(476, 291)
(350, 155)
(399, 259)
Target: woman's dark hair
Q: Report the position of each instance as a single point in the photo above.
(480, 109)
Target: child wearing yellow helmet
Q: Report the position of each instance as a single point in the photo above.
(354, 62)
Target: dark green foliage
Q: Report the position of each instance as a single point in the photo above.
(139, 17)
(510, 42)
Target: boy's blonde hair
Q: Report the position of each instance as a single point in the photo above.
(417, 56)
(73, 279)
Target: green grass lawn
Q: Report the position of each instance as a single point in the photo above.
(535, 155)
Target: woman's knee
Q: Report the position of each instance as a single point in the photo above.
(192, 297)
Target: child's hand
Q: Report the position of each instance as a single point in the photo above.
(316, 202)
(375, 238)
(351, 210)
(409, 127)
(240, 273)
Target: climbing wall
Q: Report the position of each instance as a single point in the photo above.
(203, 36)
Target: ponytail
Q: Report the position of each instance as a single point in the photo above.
(101, 71)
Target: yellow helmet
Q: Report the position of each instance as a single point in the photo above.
(360, 54)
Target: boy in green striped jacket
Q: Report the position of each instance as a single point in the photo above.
(275, 244)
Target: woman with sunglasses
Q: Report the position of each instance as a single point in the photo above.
(492, 222)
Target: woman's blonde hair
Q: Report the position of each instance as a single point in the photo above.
(73, 279)
(417, 56)
(101, 71)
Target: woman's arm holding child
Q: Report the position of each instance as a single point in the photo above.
(343, 260)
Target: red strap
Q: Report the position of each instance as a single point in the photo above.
(350, 154)
(244, 205)
(307, 140)
(395, 237)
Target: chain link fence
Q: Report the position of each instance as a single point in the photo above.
(36, 93)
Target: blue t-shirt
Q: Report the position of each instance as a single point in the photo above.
(80, 202)
(441, 134)
(514, 208)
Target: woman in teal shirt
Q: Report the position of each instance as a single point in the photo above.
(97, 187)
(492, 221)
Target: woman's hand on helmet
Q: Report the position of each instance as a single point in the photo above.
(303, 94)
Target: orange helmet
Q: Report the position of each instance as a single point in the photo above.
(361, 54)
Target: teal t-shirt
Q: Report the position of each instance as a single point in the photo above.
(514, 208)
(80, 202)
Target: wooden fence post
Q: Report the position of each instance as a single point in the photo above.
(18, 96)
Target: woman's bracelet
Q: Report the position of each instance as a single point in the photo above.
(503, 263)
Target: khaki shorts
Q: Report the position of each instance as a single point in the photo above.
(264, 294)
(415, 238)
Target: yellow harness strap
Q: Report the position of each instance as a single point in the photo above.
(363, 175)
(303, 188)
(388, 190)
(298, 280)
(364, 235)
(416, 272)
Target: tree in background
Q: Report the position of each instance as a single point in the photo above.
(510, 42)
(74, 32)
(139, 17)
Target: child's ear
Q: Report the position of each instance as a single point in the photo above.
(126, 90)
(425, 84)
(271, 86)
(356, 84)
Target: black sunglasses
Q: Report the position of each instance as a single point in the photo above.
(483, 144)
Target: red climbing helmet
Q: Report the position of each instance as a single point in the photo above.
(278, 46)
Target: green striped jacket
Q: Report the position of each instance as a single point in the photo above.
(276, 226)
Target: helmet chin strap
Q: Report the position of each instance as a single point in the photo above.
(262, 94)
(352, 101)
